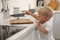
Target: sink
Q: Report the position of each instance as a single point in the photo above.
(8, 30)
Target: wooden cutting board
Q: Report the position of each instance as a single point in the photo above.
(21, 21)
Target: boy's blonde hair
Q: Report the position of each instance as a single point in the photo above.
(46, 11)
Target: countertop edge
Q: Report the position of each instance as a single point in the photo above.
(22, 33)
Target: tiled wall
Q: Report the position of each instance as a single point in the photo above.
(22, 4)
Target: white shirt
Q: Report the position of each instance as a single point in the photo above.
(48, 26)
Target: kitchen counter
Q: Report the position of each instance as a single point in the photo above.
(7, 20)
(21, 34)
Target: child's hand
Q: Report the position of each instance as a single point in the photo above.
(38, 24)
(28, 12)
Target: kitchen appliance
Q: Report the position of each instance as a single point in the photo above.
(40, 3)
(32, 10)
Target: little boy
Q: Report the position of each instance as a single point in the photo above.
(45, 27)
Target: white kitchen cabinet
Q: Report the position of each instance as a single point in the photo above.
(29, 36)
(56, 25)
(32, 35)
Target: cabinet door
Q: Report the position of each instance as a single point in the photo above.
(56, 25)
(29, 36)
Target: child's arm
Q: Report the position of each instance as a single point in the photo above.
(41, 29)
(30, 13)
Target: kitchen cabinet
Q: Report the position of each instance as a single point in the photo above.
(56, 25)
(29, 36)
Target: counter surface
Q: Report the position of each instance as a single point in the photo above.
(20, 34)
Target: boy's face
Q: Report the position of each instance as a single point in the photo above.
(43, 19)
